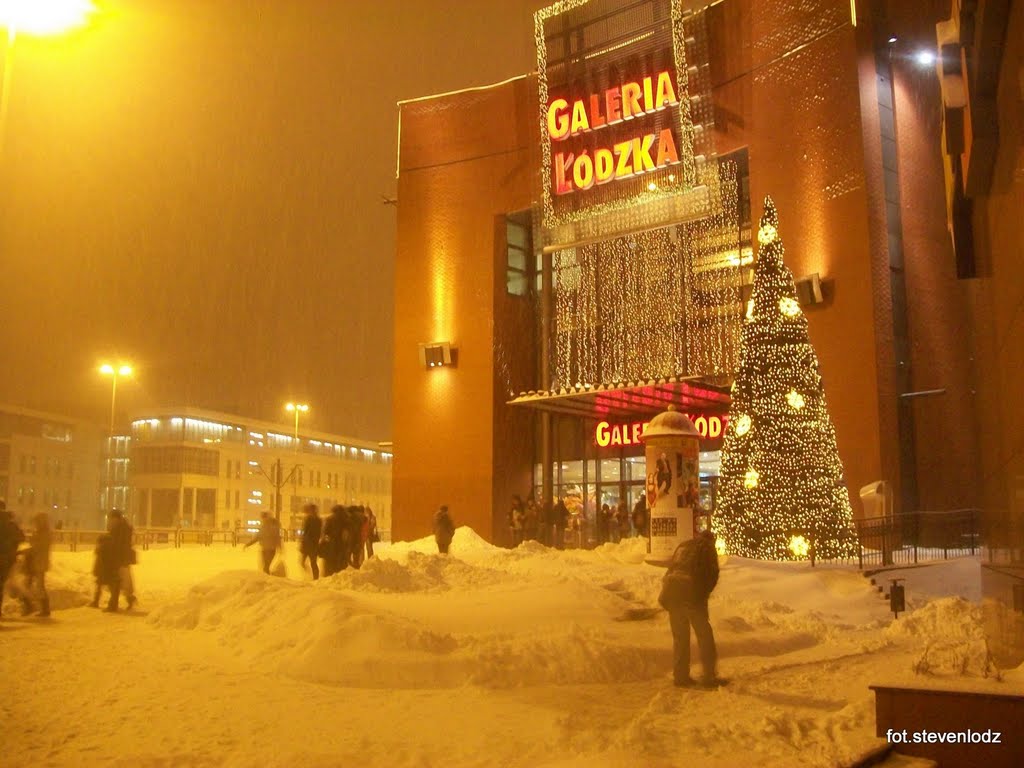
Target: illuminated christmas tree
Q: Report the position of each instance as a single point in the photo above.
(781, 488)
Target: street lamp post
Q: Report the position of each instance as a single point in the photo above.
(297, 408)
(114, 372)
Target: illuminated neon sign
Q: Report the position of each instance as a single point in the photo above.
(622, 159)
(710, 427)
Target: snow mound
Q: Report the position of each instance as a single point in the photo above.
(465, 542)
(415, 572)
(948, 618)
(952, 631)
(326, 634)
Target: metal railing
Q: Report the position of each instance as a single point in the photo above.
(907, 539)
(144, 538)
(914, 537)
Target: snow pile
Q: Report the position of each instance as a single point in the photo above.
(526, 657)
(414, 620)
(952, 632)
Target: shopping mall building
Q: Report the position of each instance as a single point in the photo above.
(575, 253)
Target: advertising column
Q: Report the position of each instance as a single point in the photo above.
(672, 450)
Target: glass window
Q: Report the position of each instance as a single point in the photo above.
(518, 245)
(517, 283)
(517, 234)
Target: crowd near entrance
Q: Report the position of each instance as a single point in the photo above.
(599, 475)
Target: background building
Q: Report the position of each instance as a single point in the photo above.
(821, 104)
(50, 463)
(203, 469)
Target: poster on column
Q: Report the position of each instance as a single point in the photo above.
(673, 493)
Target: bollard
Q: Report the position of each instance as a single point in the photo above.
(897, 600)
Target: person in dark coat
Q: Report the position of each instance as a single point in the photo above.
(10, 537)
(310, 545)
(640, 516)
(269, 539)
(104, 568)
(372, 536)
(39, 564)
(358, 531)
(332, 545)
(122, 556)
(444, 529)
(561, 521)
(692, 575)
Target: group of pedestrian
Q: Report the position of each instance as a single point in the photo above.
(114, 557)
(343, 540)
(614, 525)
(528, 521)
(27, 561)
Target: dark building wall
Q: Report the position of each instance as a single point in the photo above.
(872, 87)
(464, 160)
(944, 426)
(515, 371)
(996, 299)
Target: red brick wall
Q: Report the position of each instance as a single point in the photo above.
(464, 159)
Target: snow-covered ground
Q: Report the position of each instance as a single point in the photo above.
(488, 657)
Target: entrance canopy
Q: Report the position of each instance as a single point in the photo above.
(631, 399)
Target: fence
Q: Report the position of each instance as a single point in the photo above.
(144, 538)
(918, 536)
(907, 539)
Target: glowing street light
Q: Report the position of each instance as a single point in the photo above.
(114, 372)
(43, 17)
(34, 17)
(297, 408)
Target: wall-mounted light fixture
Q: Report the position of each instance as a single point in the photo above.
(808, 290)
(438, 354)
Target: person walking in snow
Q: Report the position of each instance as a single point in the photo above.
(39, 563)
(269, 539)
(444, 529)
(561, 521)
(104, 569)
(515, 521)
(123, 557)
(692, 575)
(10, 537)
(359, 532)
(310, 545)
(640, 516)
(332, 545)
(372, 536)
